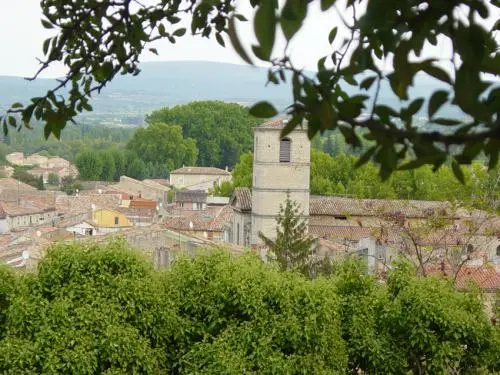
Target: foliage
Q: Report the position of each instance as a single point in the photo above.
(224, 189)
(164, 144)
(103, 310)
(242, 172)
(108, 170)
(22, 174)
(89, 165)
(292, 249)
(113, 37)
(53, 179)
(222, 131)
(39, 183)
(137, 169)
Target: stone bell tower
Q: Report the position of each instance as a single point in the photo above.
(280, 165)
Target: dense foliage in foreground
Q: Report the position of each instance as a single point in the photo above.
(106, 311)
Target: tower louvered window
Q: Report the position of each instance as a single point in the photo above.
(285, 145)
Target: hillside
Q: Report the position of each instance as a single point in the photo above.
(169, 83)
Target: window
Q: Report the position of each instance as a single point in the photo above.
(117, 220)
(340, 217)
(498, 251)
(285, 144)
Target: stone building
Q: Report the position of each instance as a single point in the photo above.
(241, 225)
(280, 166)
(198, 178)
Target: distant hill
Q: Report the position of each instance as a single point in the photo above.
(170, 83)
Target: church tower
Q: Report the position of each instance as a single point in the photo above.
(280, 165)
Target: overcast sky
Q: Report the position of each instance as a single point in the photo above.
(21, 38)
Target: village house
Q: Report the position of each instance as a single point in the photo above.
(27, 215)
(208, 225)
(148, 189)
(198, 178)
(190, 200)
(109, 221)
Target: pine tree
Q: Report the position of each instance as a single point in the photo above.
(293, 248)
(329, 146)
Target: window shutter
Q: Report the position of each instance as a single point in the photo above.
(285, 150)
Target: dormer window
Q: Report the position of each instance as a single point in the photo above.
(285, 144)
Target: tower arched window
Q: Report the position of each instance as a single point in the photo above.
(498, 251)
(285, 148)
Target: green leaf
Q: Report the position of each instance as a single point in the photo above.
(446, 121)
(265, 28)
(457, 171)
(367, 82)
(438, 98)
(47, 24)
(332, 35)
(46, 45)
(263, 109)
(293, 15)
(220, 40)
(235, 42)
(326, 4)
(363, 159)
(437, 73)
(16, 105)
(415, 106)
(180, 32)
(154, 50)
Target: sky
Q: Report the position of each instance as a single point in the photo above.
(22, 35)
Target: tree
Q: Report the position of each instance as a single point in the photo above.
(243, 171)
(120, 163)
(292, 249)
(137, 169)
(89, 165)
(108, 171)
(165, 144)
(329, 146)
(39, 183)
(222, 131)
(103, 309)
(224, 189)
(377, 41)
(53, 179)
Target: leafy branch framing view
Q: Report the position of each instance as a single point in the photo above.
(97, 41)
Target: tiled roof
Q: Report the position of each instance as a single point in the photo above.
(243, 198)
(142, 203)
(10, 183)
(319, 205)
(201, 171)
(197, 196)
(161, 181)
(223, 218)
(13, 209)
(136, 212)
(215, 220)
(485, 277)
(351, 233)
(274, 123)
(83, 203)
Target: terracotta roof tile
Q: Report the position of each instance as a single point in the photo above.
(243, 198)
(485, 277)
(319, 205)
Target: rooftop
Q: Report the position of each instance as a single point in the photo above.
(201, 171)
(242, 199)
(196, 196)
